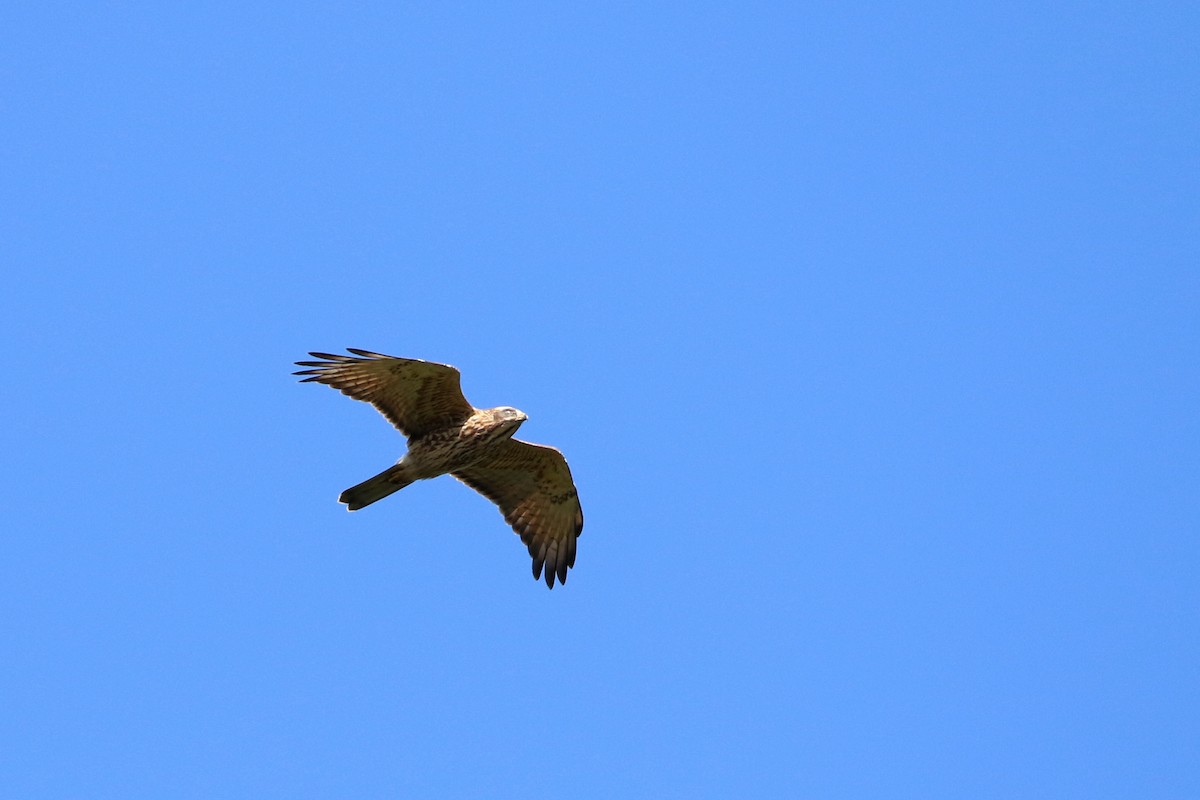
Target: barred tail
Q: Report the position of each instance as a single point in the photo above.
(392, 479)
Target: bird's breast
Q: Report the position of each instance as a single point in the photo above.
(444, 451)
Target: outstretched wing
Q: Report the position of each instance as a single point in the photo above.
(416, 396)
(533, 487)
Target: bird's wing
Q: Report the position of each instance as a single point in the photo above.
(416, 396)
(532, 485)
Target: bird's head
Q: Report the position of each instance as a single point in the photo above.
(508, 419)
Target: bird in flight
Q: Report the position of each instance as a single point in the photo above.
(531, 483)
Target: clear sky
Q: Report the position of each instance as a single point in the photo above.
(871, 333)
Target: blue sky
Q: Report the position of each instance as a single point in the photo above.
(870, 333)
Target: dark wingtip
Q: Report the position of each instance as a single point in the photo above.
(332, 357)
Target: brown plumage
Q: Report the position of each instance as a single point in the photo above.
(531, 483)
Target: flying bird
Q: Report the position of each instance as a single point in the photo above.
(531, 483)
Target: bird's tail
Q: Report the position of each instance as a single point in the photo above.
(392, 479)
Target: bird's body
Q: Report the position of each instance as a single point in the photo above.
(446, 435)
(442, 451)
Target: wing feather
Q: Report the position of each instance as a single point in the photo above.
(532, 485)
(416, 396)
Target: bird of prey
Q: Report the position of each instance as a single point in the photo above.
(531, 483)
